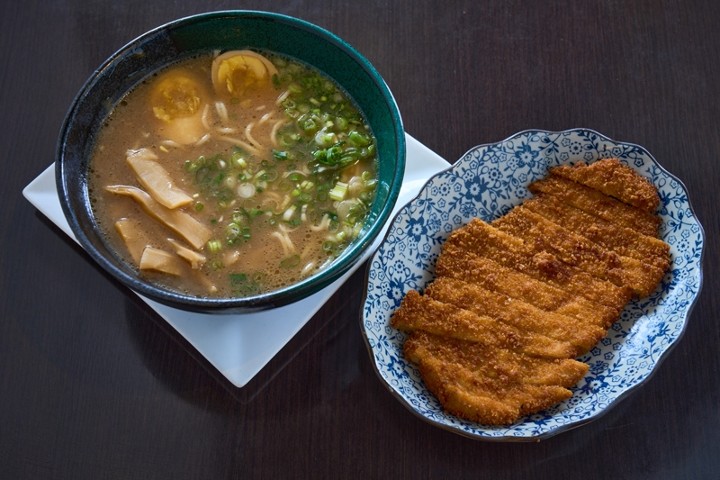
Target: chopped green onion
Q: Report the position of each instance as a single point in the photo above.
(358, 139)
(214, 246)
(324, 138)
(340, 123)
(243, 284)
(287, 215)
(290, 262)
(339, 191)
(239, 162)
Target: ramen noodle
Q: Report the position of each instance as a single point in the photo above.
(233, 174)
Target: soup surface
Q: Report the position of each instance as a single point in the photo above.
(233, 174)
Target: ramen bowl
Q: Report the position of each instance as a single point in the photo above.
(188, 37)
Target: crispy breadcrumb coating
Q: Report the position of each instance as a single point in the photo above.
(514, 302)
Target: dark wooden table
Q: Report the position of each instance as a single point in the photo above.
(93, 384)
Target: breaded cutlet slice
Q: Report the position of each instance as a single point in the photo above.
(508, 366)
(623, 241)
(418, 312)
(487, 385)
(573, 249)
(498, 278)
(479, 300)
(598, 204)
(519, 253)
(612, 178)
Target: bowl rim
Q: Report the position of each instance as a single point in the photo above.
(274, 298)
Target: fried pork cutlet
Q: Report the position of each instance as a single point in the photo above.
(490, 386)
(621, 240)
(614, 179)
(454, 263)
(494, 335)
(596, 203)
(420, 312)
(577, 250)
(510, 250)
(581, 335)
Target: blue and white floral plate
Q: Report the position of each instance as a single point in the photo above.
(486, 182)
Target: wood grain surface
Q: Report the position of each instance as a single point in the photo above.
(94, 385)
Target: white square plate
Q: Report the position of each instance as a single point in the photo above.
(240, 345)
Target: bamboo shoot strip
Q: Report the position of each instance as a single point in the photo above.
(185, 225)
(132, 236)
(195, 259)
(156, 179)
(161, 261)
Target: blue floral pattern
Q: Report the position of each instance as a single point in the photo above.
(487, 182)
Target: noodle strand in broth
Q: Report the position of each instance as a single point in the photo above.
(276, 164)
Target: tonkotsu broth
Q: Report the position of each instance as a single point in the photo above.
(272, 163)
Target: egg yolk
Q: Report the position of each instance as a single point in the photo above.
(241, 73)
(176, 95)
(237, 72)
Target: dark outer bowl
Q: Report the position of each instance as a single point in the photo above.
(202, 33)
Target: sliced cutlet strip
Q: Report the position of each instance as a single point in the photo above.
(612, 178)
(482, 404)
(491, 275)
(482, 301)
(506, 366)
(513, 251)
(418, 312)
(621, 240)
(597, 203)
(488, 385)
(574, 249)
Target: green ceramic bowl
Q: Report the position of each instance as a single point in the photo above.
(202, 33)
